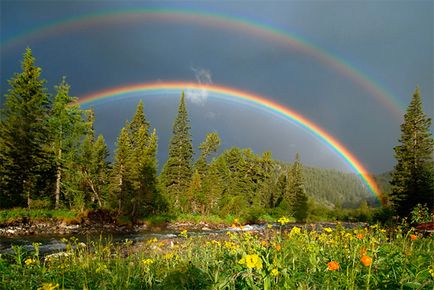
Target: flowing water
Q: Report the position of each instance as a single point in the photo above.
(53, 243)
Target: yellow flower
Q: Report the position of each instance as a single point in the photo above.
(274, 272)
(253, 261)
(269, 226)
(183, 233)
(328, 230)
(295, 231)
(169, 256)
(147, 262)
(151, 241)
(283, 220)
(48, 286)
(29, 262)
(431, 270)
(236, 221)
(333, 266)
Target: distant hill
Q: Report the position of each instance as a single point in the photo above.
(334, 188)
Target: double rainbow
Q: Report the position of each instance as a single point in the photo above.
(231, 23)
(249, 99)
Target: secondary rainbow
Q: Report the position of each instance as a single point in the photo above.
(205, 18)
(250, 99)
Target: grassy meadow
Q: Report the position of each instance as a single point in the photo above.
(282, 257)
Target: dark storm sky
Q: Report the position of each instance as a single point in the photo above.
(389, 41)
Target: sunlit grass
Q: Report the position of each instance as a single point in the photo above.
(17, 214)
(278, 258)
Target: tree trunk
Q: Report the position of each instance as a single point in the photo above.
(58, 178)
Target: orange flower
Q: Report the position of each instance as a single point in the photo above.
(360, 236)
(333, 266)
(366, 261)
(413, 237)
(278, 248)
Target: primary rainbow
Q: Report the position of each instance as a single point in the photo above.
(249, 99)
(231, 23)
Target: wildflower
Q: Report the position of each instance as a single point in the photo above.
(264, 243)
(295, 231)
(101, 268)
(283, 220)
(147, 262)
(269, 226)
(328, 230)
(29, 262)
(413, 237)
(236, 221)
(360, 236)
(169, 256)
(253, 261)
(366, 261)
(183, 233)
(151, 241)
(48, 286)
(278, 247)
(274, 272)
(431, 270)
(333, 266)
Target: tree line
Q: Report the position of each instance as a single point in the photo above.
(50, 156)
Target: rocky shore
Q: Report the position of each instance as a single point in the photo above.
(25, 227)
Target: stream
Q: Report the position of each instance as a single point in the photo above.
(53, 242)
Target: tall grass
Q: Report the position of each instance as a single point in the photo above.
(278, 258)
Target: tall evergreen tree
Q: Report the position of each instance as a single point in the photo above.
(67, 127)
(120, 184)
(24, 145)
(177, 171)
(413, 179)
(300, 199)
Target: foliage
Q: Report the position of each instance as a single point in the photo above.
(413, 175)
(421, 214)
(17, 214)
(177, 171)
(285, 257)
(25, 158)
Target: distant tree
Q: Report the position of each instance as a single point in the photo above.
(67, 127)
(92, 165)
(413, 177)
(300, 206)
(177, 171)
(25, 156)
(210, 145)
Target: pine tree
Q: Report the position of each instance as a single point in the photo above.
(67, 127)
(210, 145)
(92, 166)
(177, 171)
(120, 185)
(300, 199)
(24, 145)
(413, 179)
